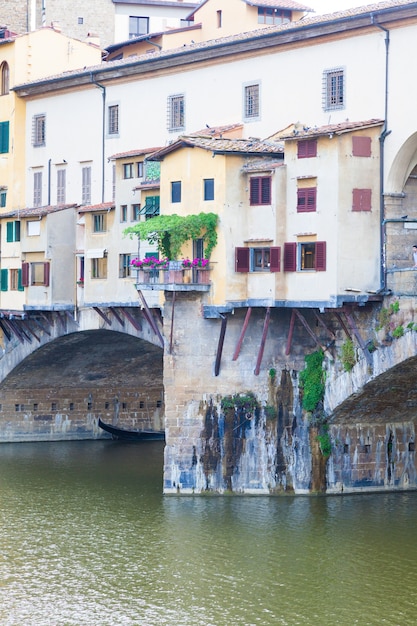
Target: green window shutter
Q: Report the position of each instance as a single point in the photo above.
(19, 281)
(4, 282)
(9, 231)
(4, 137)
(17, 231)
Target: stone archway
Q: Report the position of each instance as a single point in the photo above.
(60, 390)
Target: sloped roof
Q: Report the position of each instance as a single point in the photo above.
(288, 5)
(300, 131)
(133, 153)
(91, 208)
(219, 145)
(216, 131)
(37, 211)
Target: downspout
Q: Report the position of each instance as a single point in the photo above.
(384, 134)
(103, 132)
(49, 182)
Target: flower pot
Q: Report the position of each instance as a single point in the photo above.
(203, 276)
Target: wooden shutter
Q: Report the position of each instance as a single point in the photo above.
(46, 270)
(362, 199)
(4, 279)
(9, 231)
(307, 148)
(242, 256)
(275, 259)
(290, 256)
(25, 274)
(265, 190)
(4, 137)
(306, 199)
(19, 281)
(254, 190)
(17, 230)
(361, 146)
(260, 190)
(320, 256)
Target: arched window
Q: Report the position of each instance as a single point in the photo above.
(4, 87)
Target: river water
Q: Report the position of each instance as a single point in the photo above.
(87, 538)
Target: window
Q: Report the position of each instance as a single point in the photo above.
(273, 16)
(99, 268)
(16, 280)
(86, 185)
(151, 207)
(306, 199)
(37, 189)
(61, 176)
(135, 212)
(307, 148)
(209, 189)
(219, 19)
(99, 222)
(13, 231)
(176, 191)
(35, 274)
(305, 256)
(176, 112)
(138, 26)
(33, 228)
(124, 265)
(128, 170)
(258, 259)
(361, 146)
(362, 199)
(4, 137)
(251, 101)
(260, 190)
(3, 198)
(333, 89)
(38, 130)
(123, 213)
(4, 85)
(113, 119)
(139, 166)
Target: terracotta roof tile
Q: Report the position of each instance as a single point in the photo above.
(37, 211)
(299, 131)
(222, 146)
(133, 153)
(290, 5)
(90, 208)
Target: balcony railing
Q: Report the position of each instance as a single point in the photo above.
(174, 279)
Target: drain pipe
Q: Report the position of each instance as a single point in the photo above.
(384, 134)
(103, 132)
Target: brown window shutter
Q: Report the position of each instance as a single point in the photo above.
(320, 256)
(254, 190)
(275, 259)
(361, 146)
(25, 274)
(265, 190)
(307, 148)
(290, 256)
(242, 259)
(306, 199)
(361, 199)
(46, 268)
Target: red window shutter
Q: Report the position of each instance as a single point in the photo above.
(320, 256)
(275, 259)
(242, 259)
(361, 146)
(307, 148)
(306, 199)
(290, 256)
(254, 190)
(25, 274)
(46, 268)
(362, 199)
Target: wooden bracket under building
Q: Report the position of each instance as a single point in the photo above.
(263, 341)
(220, 345)
(242, 334)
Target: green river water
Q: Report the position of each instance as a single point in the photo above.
(88, 539)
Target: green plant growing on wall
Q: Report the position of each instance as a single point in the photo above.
(171, 232)
(272, 373)
(398, 331)
(270, 412)
(324, 441)
(312, 380)
(348, 355)
(246, 401)
(394, 307)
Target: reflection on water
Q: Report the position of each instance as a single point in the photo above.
(88, 539)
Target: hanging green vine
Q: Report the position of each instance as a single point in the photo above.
(312, 380)
(171, 232)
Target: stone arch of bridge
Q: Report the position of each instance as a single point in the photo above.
(402, 166)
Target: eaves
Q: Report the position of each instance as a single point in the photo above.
(246, 44)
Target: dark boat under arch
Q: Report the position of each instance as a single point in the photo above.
(132, 435)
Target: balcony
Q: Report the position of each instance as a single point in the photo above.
(175, 278)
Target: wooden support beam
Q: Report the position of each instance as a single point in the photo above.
(290, 333)
(242, 334)
(343, 325)
(171, 335)
(150, 318)
(5, 330)
(220, 345)
(359, 339)
(15, 330)
(135, 323)
(41, 326)
(321, 322)
(26, 325)
(263, 340)
(308, 329)
(61, 320)
(117, 316)
(102, 315)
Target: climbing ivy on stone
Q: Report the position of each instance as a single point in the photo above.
(171, 232)
(312, 381)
